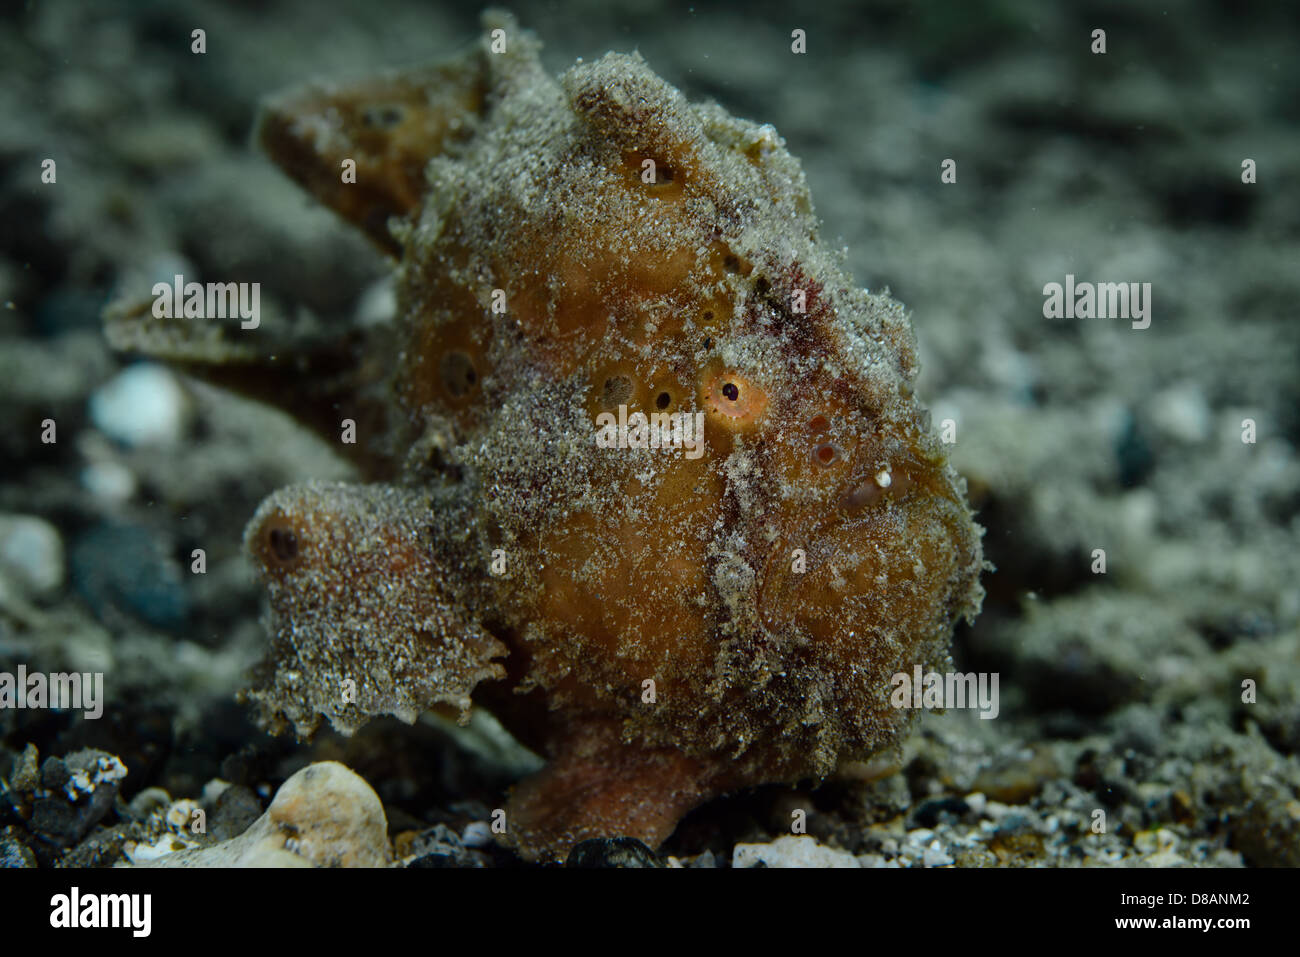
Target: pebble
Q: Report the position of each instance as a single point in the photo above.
(378, 304)
(612, 852)
(143, 405)
(936, 856)
(1181, 413)
(121, 566)
(75, 793)
(236, 809)
(69, 309)
(1158, 841)
(476, 834)
(324, 816)
(791, 851)
(1016, 779)
(440, 846)
(26, 774)
(13, 852)
(31, 553)
(148, 801)
(932, 812)
(112, 482)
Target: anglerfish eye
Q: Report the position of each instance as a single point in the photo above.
(284, 543)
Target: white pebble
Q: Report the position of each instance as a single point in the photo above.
(110, 481)
(791, 851)
(31, 552)
(1182, 413)
(476, 834)
(935, 856)
(378, 304)
(141, 405)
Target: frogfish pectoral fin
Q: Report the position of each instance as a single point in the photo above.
(363, 620)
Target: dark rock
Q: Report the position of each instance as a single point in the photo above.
(139, 733)
(1134, 456)
(69, 309)
(612, 852)
(76, 792)
(26, 774)
(440, 846)
(102, 848)
(13, 852)
(236, 809)
(122, 568)
(931, 813)
(1267, 831)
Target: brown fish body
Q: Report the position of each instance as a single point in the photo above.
(655, 488)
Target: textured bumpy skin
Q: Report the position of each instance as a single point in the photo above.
(663, 627)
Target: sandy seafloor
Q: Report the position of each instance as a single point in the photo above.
(1120, 692)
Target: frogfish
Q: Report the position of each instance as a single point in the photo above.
(644, 473)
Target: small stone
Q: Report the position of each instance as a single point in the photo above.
(1181, 413)
(932, 812)
(213, 790)
(1014, 822)
(13, 852)
(31, 553)
(440, 846)
(101, 848)
(936, 856)
(1184, 808)
(1020, 849)
(26, 773)
(377, 304)
(68, 310)
(975, 856)
(76, 792)
(612, 852)
(148, 801)
(180, 815)
(476, 834)
(122, 568)
(237, 808)
(1016, 779)
(791, 851)
(143, 405)
(109, 481)
(324, 816)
